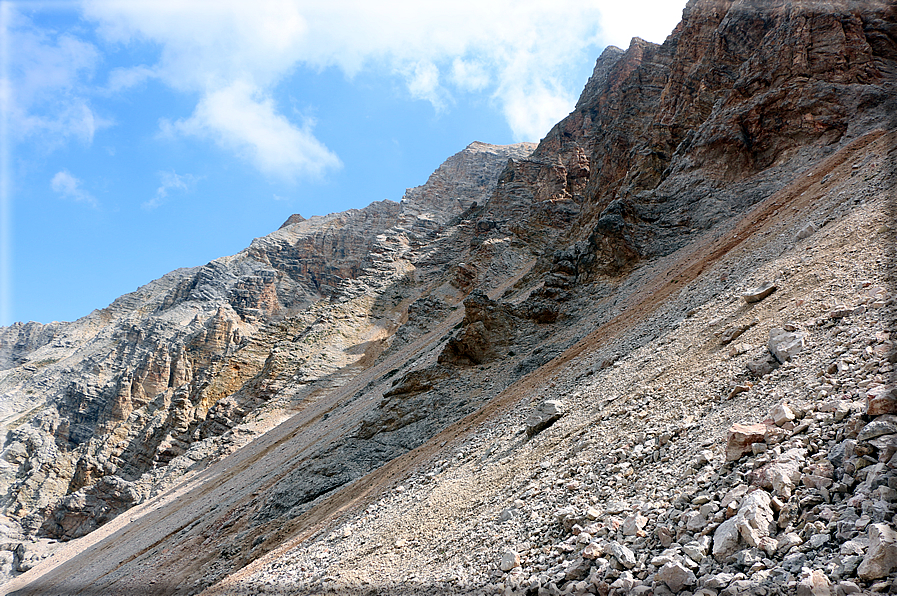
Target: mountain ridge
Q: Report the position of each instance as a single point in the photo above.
(686, 170)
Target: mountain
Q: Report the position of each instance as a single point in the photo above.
(549, 369)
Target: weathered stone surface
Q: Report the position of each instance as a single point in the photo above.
(884, 425)
(509, 560)
(726, 538)
(675, 576)
(881, 557)
(759, 293)
(85, 510)
(785, 345)
(740, 437)
(546, 414)
(763, 365)
(781, 475)
(881, 400)
(633, 524)
(782, 413)
(623, 554)
(815, 584)
(755, 519)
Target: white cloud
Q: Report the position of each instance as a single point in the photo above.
(532, 111)
(125, 78)
(469, 75)
(233, 52)
(241, 119)
(46, 85)
(423, 83)
(69, 187)
(169, 181)
(651, 20)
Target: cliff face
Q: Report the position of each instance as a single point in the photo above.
(370, 332)
(740, 91)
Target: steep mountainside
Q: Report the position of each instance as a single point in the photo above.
(522, 378)
(97, 410)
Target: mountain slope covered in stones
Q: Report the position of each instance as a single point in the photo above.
(548, 370)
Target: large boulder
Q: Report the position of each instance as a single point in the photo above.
(544, 416)
(755, 519)
(785, 345)
(881, 556)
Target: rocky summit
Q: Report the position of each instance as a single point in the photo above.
(650, 355)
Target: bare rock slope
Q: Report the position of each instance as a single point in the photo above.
(537, 374)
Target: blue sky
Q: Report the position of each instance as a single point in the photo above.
(140, 136)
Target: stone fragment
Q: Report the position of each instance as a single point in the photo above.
(739, 389)
(759, 293)
(885, 425)
(592, 550)
(740, 437)
(508, 513)
(782, 413)
(817, 482)
(807, 231)
(704, 457)
(509, 560)
(815, 584)
(633, 524)
(624, 583)
(698, 548)
(675, 576)
(734, 495)
(852, 547)
(881, 400)
(730, 334)
(544, 416)
(775, 435)
(739, 349)
(578, 569)
(625, 556)
(763, 366)
(694, 521)
(845, 588)
(881, 556)
(840, 312)
(720, 580)
(755, 519)
(785, 345)
(725, 540)
(781, 475)
(768, 545)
